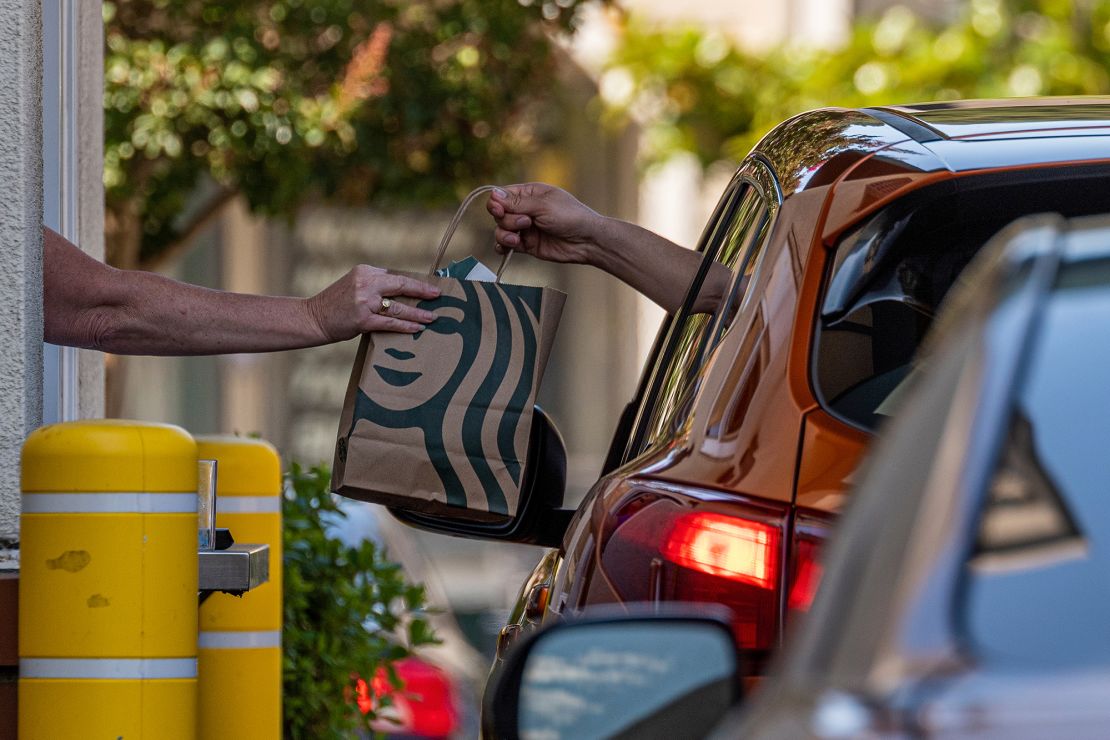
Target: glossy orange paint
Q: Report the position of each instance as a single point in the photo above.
(831, 451)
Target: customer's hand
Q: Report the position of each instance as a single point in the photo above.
(545, 222)
(353, 304)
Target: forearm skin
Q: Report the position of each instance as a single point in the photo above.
(655, 266)
(89, 304)
(159, 316)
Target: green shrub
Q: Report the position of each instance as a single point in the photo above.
(348, 612)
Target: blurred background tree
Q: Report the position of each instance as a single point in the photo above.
(696, 91)
(283, 100)
(359, 101)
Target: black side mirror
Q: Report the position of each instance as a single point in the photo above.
(670, 675)
(540, 520)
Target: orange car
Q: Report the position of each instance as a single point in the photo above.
(847, 228)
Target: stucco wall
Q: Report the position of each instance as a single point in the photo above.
(20, 243)
(90, 179)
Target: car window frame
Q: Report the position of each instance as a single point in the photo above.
(731, 313)
(754, 174)
(661, 348)
(773, 200)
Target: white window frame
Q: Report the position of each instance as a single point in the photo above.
(60, 182)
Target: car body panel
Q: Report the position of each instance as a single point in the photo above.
(897, 170)
(531, 604)
(827, 466)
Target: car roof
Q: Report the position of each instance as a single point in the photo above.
(816, 147)
(974, 118)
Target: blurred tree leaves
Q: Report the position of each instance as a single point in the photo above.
(696, 91)
(350, 100)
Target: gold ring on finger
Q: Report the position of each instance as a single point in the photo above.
(386, 303)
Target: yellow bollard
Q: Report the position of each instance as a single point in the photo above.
(240, 637)
(108, 582)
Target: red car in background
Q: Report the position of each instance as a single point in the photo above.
(426, 706)
(847, 227)
(439, 686)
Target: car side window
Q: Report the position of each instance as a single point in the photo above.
(890, 276)
(734, 245)
(625, 442)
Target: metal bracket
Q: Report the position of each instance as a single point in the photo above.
(237, 569)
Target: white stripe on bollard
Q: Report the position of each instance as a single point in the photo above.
(110, 503)
(248, 505)
(217, 640)
(111, 668)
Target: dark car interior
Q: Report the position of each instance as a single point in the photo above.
(890, 275)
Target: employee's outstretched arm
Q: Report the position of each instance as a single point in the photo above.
(551, 224)
(89, 304)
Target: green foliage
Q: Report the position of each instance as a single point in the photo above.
(348, 612)
(697, 92)
(352, 100)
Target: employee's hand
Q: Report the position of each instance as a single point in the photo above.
(353, 304)
(545, 222)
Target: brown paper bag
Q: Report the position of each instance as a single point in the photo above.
(438, 422)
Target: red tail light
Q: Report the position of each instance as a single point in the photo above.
(805, 585)
(725, 546)
(661, 549)
(810, 532)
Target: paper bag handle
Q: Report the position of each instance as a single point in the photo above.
(455, 224)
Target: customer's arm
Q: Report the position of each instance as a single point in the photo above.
(551, 224)
(89, 304)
